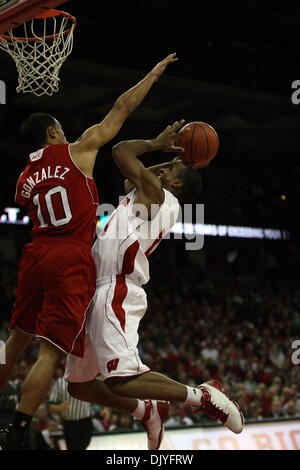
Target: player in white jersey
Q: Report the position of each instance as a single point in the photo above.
(121, 255)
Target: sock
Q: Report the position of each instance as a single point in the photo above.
(139, 412)
(193, 396)
(21, 421)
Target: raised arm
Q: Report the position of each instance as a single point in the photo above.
(147, 182)
(84, 150)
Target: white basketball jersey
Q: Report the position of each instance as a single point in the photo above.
(125, 243)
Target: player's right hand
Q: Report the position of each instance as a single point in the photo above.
(167, 138)
(161, 66)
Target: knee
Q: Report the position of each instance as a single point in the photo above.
(19, 338)
(49, 352)
(115, 385)
(81, 391)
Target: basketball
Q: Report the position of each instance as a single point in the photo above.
(201, 144)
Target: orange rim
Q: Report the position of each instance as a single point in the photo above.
(47, 14)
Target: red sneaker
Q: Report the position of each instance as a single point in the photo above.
(216, 404)
(156, 412)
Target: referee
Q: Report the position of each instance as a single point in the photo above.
(76, 416)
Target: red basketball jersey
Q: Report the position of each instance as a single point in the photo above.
(61, 200)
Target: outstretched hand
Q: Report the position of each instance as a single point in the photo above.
(161, 66)
(167, 138)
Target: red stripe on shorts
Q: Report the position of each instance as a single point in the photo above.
(108, 222)
(121, 288)
(129, 258)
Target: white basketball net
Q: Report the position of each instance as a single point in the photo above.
(38, 62)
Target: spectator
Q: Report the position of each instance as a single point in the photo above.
(273, 391)
(290, 409)
(76, 416)
(249, 382)
(254, 411)
(104, 420)
(287, 394)
(41, 429)
(277, 357)
(276, 409)
(210, 351)
(125, 422)
(22, 369)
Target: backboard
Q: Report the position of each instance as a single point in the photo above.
(16, 12)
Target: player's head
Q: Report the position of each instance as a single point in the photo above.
(181, 180)
(41, 129)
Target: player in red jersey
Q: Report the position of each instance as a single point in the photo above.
(57, 274)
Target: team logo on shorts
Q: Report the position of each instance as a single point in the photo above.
(112, 365)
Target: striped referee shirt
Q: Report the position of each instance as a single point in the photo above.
(77, 409)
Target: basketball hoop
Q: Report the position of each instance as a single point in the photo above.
(40, 55)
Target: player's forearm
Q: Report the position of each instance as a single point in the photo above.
(135, 95)
(125, 156)
(134, 148)
(54, 409)
(156, 168)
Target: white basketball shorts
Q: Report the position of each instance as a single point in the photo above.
(111, 333)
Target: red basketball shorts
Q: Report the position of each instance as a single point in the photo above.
(56, 284)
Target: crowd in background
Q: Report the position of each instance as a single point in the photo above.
(202, 323)
(238, 330)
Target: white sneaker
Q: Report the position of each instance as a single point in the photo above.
(156, 412)
(216, 404)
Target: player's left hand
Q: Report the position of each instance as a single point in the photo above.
(167, 138)
(159, 69)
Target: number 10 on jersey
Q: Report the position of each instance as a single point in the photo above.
(49, 204)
